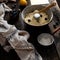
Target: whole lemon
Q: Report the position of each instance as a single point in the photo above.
(23, 2)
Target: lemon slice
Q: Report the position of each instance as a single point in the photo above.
(23, 2)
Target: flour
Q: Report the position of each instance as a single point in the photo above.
(45, 39)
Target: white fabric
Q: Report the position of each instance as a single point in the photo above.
(23, 48)
(36, 2)
(3, 8)
(4, 23)
(16, 38)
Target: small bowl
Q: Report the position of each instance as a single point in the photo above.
(45, 39)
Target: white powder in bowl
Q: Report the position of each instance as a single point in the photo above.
(45, 39)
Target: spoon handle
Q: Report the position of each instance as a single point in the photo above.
(48, 7)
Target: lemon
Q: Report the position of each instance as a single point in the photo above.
(23, 2)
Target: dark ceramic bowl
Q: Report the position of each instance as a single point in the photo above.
(31, 8)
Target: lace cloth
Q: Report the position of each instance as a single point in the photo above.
(16, 38)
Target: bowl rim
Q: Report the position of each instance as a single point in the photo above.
(35, 25)
(45, 44)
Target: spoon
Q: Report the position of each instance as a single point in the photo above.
(48, 7)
